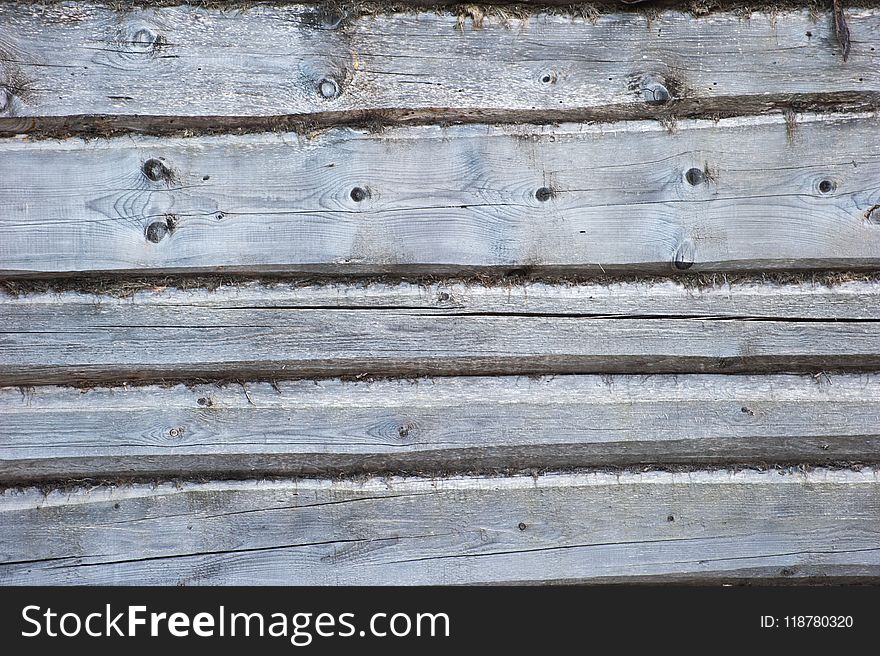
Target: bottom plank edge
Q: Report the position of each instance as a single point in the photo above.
(562, 528)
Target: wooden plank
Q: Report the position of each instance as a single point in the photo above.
(49, 339)
(83, 59)
(592, 527)
(333, 428)
(713, 196)
(830, 297)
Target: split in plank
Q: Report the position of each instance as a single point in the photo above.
(736, 194)
(591, 527)
(332, 428)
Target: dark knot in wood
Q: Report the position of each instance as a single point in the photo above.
(544, 194)
(156, 231)
(695, 177)
(156, 170)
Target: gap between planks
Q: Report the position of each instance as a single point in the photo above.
(669, 115)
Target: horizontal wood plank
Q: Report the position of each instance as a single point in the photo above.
(81, 58)
(713, 196)
(333, 428)
(595, 527)
(164, 336)
(830, 297)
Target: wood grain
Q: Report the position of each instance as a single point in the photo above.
(655, 526)
(828, 297)
(333, 428)
(713, 196)
(85, 59)
(164, 336)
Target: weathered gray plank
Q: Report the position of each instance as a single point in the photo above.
(49, 339)
(81, 58)
(726, 195)
(844, 296)
(453, 424)
(586, 527)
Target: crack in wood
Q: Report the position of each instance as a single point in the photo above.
(841, 28)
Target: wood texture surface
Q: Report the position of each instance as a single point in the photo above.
(334, 428)
(727, 195)
(657, 526)
(49, 339)
(301, 140)
(828, 297)
(86, 59)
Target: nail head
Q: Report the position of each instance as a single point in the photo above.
(328, 88)
(694, 177)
